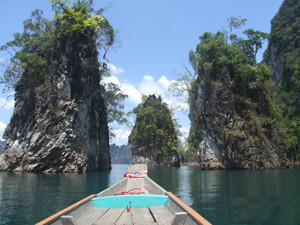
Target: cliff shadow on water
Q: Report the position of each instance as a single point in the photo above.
(27, 198)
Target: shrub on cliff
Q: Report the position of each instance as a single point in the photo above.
(283, 55)
(154, 131)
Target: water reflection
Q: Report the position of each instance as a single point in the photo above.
(222, 197)
(27, 198)
(236, 197)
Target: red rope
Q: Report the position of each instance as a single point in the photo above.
(136, 174)
(131, 192)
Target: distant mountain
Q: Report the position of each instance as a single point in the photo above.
(120, 154)
(2, 144)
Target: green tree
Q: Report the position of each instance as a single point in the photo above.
(154, 128)
(31, 51)
(249, 82)
(283, 55)
(234, 23)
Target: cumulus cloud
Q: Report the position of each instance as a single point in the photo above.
(111, 79)
(134, 95)
(2, 129)
(121, 137)
(7, 104)
(114, 69)
(147, 86)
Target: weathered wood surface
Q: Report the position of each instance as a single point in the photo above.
(85, 213)
(138, 167)
(142, 216)
(92, 216)
(125, 218)
(119, 187)
(161, 214)
(110, 217)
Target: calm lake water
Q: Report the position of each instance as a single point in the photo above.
(222, 197)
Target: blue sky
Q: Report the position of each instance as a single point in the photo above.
(153, 37)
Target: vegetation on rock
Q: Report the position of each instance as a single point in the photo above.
(283, 56)
(60, 119)
(231, 102)
(154, 135)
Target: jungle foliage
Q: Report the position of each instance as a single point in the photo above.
(284, 44)
(250, 82)
(154, 128)
(33, 52)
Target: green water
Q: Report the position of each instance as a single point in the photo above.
(222, 197)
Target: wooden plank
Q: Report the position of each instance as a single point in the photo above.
(143, 189)
(142, 216)
(110, 217)
(82, 210)
(117, 188)
(91, 216)
(152, 187)
(125, 218)
(68, 220)
(161, 214)
(137, 167)
(179, 218)
(135, 183)
(67, 210)
(179, 206)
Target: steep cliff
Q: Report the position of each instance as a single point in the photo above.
(60, 124)
(235, 121)
(283, 38)
(2, 146)
(283, 56)
(153, 139)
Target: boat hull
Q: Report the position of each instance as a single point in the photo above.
(153, 205)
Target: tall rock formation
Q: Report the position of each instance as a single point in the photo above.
(283, 56)
(233, 117)
(153, 139)
(61, 124)
(283, 38)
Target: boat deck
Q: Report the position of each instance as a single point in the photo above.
(152, 215)
(154, 206)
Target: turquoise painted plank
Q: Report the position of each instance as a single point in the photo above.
(122, 201)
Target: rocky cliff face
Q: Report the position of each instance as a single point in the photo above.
(61, 125)
(226, 140)
(153, 139)
(284, 37)
(120, 154)
(2, 146)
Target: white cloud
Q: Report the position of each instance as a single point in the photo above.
(134, 95)
(163, 81)
(147, 86)
(7, 104)
(184, 131)
(2, 60)
(2, 129)
(115, 70)
(111, 79)
(121, 137)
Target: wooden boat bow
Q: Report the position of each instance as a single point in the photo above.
(119, 204)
